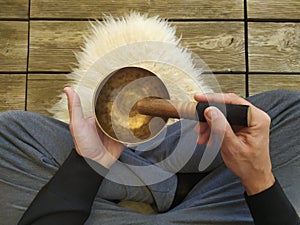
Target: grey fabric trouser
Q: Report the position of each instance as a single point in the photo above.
(32, 147)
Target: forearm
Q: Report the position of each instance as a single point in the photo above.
(272, 207)
(67, 198)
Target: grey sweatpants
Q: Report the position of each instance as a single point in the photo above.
(32, 148)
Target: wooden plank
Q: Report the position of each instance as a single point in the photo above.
(274, 47)
(171, 9)
(43, 91)
(13, 46)
(14, 9)
(52, 44)
(12, 91)
(226, 83)
(274, 9)
(218, 44)
(259, 83)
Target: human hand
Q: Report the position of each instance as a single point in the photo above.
(245, 150)
(90, 141)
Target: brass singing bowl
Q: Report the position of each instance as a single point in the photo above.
(115, 101)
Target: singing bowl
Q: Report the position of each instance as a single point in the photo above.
(115, 100)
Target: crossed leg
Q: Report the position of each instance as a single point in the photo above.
(33, 147)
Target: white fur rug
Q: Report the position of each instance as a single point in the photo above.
(132, 40)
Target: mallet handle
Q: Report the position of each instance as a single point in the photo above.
(235, 114)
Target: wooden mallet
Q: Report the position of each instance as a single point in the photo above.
(236, 114)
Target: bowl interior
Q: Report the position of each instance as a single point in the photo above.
(115, 100)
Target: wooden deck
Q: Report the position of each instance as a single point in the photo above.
(250, 47)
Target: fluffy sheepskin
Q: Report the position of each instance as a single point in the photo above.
(132, 40)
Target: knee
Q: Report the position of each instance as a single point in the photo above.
(286, 94)
(287, 97)
(13, 115)
(282, 96)
(284, 102)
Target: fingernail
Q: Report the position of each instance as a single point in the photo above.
(213, 113)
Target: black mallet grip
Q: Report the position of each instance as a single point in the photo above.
(235, 114)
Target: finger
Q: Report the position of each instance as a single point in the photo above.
(201, 127)
(203, 130)
(221, 98)
(219, 126)
(74, 105)
(68, 92)
(204, 133)
(253, 114)
(204, 137)
(211, 140)
(197, 128)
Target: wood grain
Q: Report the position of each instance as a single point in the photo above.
(274, 47)
(52, 44)
(259, 83)
(44, 91)
(171, 9)
(12, 91)
(14, 9)
(226, 83)
(218, 44)
(274, 9)
(13, 46)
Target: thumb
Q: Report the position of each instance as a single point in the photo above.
(219, 125)
(69, 94)
(74, 104)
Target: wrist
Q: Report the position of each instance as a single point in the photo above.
(259, 183)
(104, 159)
